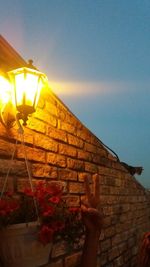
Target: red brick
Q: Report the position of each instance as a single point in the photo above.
(6, 148)
(119, 261)
(117, 239)
(51, 108)
(67, 150)
(44, 171)
(84, 155)
(24, 183)
(69, 128)
(65, 174)
(72, 140)
(45, 142)
(59, 249)
(75, 164)
(84, 133)
(90, 167)
(17, 168)
(90, 148)
(84, 175)
(113, 253)
(56, 159)
(77, 188)
(110, 181)
(3, 131)
(10, 185)
(33, 154)
(41, 103)
(102, 152)
(61, 113)
(36, 125)
(73, 201)
(105, 245)
(103, 258)
(58, 263)
(70, 118)
(110, 231)
(122, 247)
(28, 135)
(73, 260)
(43, 115)
(56, 134)
(48, 95)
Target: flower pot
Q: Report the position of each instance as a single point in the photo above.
(19, 246)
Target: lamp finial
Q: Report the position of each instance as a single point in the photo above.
(30, 64)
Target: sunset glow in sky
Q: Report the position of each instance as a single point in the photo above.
(96, 55)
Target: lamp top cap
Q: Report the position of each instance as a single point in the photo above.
(30, 64)
(26, 70)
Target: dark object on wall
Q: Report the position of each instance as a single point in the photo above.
(132, 170)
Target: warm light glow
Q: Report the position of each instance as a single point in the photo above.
(27, 86)
(85, 88)
(5, 90)
(20, 93)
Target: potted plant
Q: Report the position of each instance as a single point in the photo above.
(32, 220)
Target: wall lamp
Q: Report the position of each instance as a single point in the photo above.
(19, 94)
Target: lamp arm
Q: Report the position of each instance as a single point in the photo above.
(20, 128)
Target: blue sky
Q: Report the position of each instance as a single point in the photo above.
(96, 55)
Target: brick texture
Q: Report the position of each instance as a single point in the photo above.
(60, 147)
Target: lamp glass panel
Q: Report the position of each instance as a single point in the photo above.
(27, 87)
(27, 84)
(31, 84)
(19, 88)
(40, 85)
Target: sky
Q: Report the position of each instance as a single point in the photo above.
(96, 54)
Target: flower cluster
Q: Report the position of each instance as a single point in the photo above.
(47, 204)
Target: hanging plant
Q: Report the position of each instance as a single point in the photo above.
(54, 216)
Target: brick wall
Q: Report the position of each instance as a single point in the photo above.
(59, 147)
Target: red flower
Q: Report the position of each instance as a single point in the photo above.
(8, 194)
(3, 213)
(49, 211)
(46, 235)
(54, 214)
(7, 207)
(54, 189)
(74, 210)
(54, 200)
(58, 226)
(28, 192)
(2, 203)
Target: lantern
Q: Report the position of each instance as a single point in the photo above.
(27, 84)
